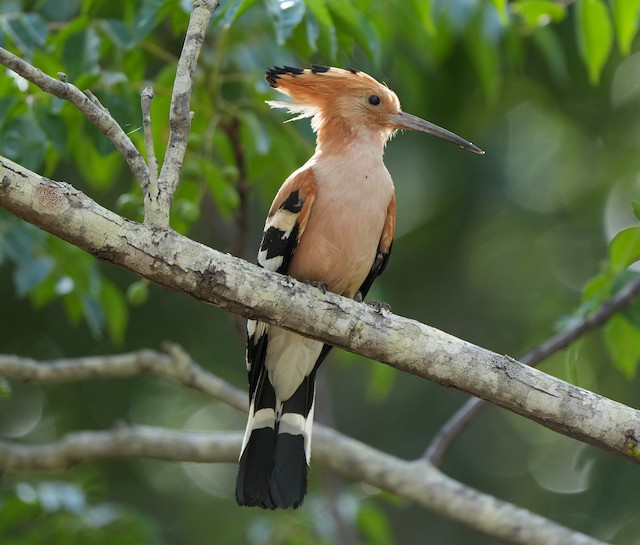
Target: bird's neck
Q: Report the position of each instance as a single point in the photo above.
(337, 137)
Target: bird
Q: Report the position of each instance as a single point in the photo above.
(331, 224)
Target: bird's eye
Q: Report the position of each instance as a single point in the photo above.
(374, 100)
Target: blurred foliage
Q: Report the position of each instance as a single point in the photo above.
(494, 250)
(46, 268)
(59, 513)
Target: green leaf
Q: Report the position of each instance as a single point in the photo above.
(20, 240)
(59, 10)
(131, 205)
(320, 12)
(374, 525)
(632, 313)
(230, 11)
(49, 289)
(99, 171)
(53, 126)
(254, 134)
(352, 23)
(623, 342)
(625, 21)
(30, 273)
(595, 36)
(222, 191)
(186, 210)
(81, 54)
(287, 15)
(636, 209)
(501, 8)
(24, 141)
(624, 249)
(73, 307)
(25, 30)
(5, 388)
(321, 30)
(483, 51)
(73, 27)
(119, 33)
(147, 18)
(115, 311)
(16, 511)
(138, 292)
(539, 13)
(93, 314)
(553, 52)
(424, 12)
(381, 381)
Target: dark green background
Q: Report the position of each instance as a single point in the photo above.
(495, 250)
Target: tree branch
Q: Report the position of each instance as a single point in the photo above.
(158, 192)
(417, 481)
(88, 106)
(174, 365)
(462, 418)
(145, 106)
(180, 114)
(182, 265)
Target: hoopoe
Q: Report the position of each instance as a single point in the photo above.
(330, 224)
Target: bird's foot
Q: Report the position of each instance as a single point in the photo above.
(320, 285)
(380, 306)
(358, 297)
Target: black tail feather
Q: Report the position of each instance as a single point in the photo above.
(274, 464)
(288, 482)
(256, 463)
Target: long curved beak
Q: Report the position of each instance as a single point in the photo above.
(403, 120)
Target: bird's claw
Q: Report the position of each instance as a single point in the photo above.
(320, 285)
(380, 306)
(358, 297)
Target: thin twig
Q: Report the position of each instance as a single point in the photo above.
(175, 365)
(466, 414)
(151, 195)
(180, 115)
(87, 104)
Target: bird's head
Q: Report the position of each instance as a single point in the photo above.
(345, 104)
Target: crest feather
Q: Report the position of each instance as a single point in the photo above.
(301, 111)
(314, 91)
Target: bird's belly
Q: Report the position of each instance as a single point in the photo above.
(340, 252)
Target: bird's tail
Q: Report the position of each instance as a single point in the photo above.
(277, 445)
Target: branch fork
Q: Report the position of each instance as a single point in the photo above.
(158, 190)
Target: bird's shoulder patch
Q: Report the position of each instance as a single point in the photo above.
(287, 221)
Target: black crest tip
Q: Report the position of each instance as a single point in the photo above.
(273, 74)
(293, 70)
(352, 69)
(319, 68)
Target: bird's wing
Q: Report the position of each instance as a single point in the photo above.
(273, 466)
(384, 248)
(285, 225)
(287, 221)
